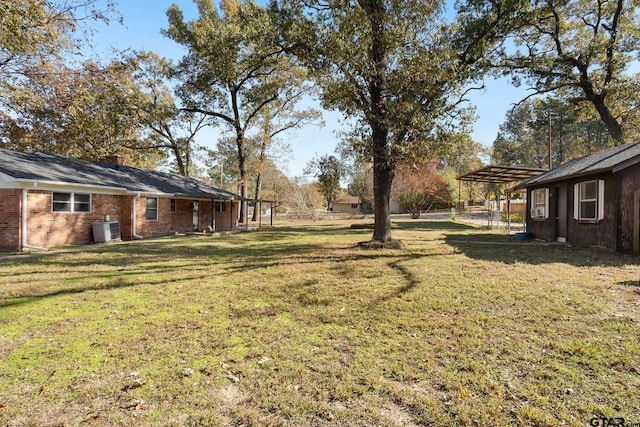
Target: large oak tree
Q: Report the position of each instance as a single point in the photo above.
(396, 68)
(85, 112)
(580, 49)
(234, 70)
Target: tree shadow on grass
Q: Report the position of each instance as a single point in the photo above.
(635, 283)
(431, 225)
(120, 282)
(508, 250)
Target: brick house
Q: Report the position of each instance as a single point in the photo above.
(589, 201)
(48, 200)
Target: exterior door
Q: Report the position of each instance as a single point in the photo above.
(196, 215)
(561, 213)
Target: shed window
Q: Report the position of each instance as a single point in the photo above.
(152, 208)
(71, 202)
(540, 203)
(589, 200)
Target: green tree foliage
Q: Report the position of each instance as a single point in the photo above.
(34, 32)
(464, 154)
(171, 129)
(234, 69)
(395, 68)
(523, 138)
(419, 188)
(361, 185)
(578, 48)
(358, 169)
(329, 171)
(87, 113)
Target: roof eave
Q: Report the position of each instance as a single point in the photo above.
(41, 183)
(525, 184)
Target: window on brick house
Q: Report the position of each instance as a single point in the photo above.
(152, 209)
(71, 202)
(173, 205)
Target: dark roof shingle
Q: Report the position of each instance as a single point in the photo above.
(53, 168)
(601, 161)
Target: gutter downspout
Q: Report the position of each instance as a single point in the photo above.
(24, 244)
(134, 220)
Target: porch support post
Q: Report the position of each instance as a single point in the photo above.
(213, 216)
(231, 215)
(271, 213)
(636, 222)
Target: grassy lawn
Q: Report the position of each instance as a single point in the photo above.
(296, 326)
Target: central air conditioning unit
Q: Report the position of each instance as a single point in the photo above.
(106, 231)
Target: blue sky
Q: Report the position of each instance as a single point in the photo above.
(140, 30)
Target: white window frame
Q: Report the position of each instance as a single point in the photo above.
(147, 211)
(71, 201)
(579, 198)
(538, 210)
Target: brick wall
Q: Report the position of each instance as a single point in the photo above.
(147, 228)
(181, 221)
(47, 229)
(125, 218)
(223, 219)
(10, 219)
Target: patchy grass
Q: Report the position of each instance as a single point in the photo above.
(298, 326)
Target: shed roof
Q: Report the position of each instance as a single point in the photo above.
(52, 168)
(352, 200)
(500, 174)
(611, 160)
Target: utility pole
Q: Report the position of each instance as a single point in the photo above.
(549, 139)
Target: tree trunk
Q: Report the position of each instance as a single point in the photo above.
(181, 168)
(382, 179)
(242, 165)
(612, 125)
(382, 168)
(256, 202)
(598, 101)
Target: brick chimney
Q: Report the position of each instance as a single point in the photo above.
(114, 159)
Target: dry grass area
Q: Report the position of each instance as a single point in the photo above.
(297, 326)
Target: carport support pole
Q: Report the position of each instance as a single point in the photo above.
(508, 212)
(636, 222)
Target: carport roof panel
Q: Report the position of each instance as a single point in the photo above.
(500, 174)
